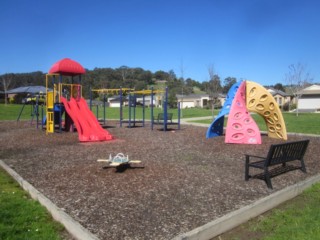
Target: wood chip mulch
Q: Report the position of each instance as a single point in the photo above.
(183, 182)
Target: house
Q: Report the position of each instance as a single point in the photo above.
(280, 97)
(114, 101)
(147, 100)
(309, 100)
(197, 100)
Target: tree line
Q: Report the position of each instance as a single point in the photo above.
(110, 78)
(140, 79)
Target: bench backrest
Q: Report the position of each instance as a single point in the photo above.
(286, 152)
(161, 116)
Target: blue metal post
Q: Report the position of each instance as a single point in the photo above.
(104, 109)
(179, 115)
(134, 109)
(165, 110)
(37, 111)
(59, 104)
(21, 112)
(143, 110)
(120, 106)
(130, 102)
(151, 108)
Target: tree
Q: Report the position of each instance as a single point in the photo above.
(125, 71)
(190, 83)
(227, 84)
(162, 75)
(182, 87)
(172, 99)
(214, 87)
(6, 81)
(279, 86)
(298, 79)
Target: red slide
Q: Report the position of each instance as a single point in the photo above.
(87, 125)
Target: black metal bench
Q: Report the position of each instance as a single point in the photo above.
(278, 154)
(160, 118)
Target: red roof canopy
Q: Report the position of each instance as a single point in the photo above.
(68, 67)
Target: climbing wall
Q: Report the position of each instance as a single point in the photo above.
(216, 127)
(260, 101)
(241, 128)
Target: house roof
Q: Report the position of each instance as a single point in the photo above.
(29, 89)
(117, 99)
(313, 89)
(191, 96)
(278, 92)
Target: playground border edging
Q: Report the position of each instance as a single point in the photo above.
(242, 215)
(72, 226)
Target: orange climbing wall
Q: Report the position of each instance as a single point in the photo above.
(241, 128)
(259, 100)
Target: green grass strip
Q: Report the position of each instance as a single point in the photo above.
(298, 219)
(12, 111)
(303, 123)
(22, 217)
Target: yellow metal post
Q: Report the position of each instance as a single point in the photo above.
(50, 105)
(50, 112)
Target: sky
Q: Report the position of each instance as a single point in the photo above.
(255, 40)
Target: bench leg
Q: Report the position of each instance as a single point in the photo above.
(246, 171)
(267, 178)
(303, 167)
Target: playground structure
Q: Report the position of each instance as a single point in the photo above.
(66, 98)
(132, 95)
(241, 128)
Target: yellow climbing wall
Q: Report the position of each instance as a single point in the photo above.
(260, 101)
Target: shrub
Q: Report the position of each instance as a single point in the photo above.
(287, 106)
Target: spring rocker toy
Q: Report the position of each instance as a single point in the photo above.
(119, 161)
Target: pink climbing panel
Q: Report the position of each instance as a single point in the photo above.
(241, 128)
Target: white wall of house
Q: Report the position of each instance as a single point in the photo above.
(114, 104)
(310, 98)
(187, 104)
(196, 101)
(147, 100)
(309, 102)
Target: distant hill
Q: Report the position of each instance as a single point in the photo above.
(197, 90)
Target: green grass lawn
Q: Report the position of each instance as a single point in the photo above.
(297, 219)
(11, 112)
(114, 113)
(303, 123)
(21, 217)
(294, 220)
